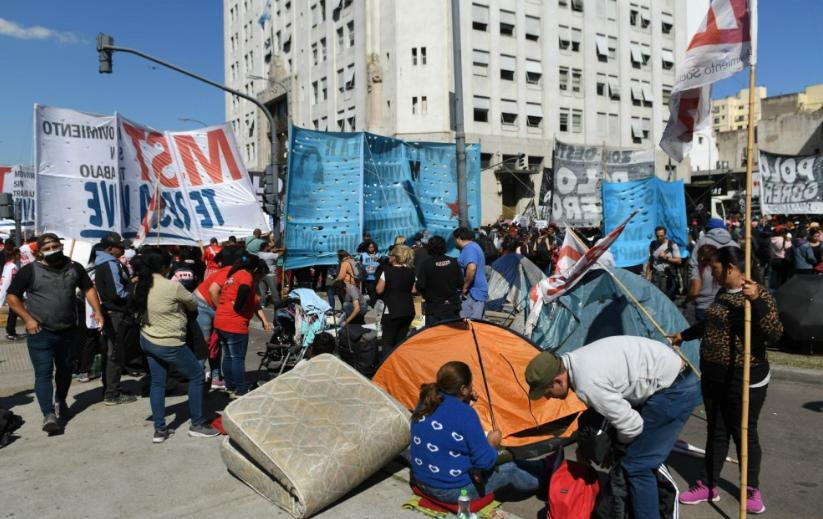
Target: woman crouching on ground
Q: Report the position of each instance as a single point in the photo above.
(162, 305)
(721, 365)
(448, 441)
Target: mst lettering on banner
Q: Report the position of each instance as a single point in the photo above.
(103, 173)
(791, 184)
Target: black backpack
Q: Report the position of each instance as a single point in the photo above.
(9, 422)
(357, 347)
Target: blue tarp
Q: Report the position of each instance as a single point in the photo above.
(661, 204)
(597, 307)
(342, 184)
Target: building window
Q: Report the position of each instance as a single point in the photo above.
(646, 90)
(481, 109)
(414, 56)
(324, 124)
(563, 79)
(601, 47)
(316, 123)
(315, 90)
(612, 48)
(634, 54)
(352, 124)
(422, 55)
(637, 94)
(341, 125)
(577, 121)
(414, 105)
(577, 35)
(666, 23)
(564, 120)
(322, 10)
(480, 17)
(508, 112)
(323, 53)
(577, 5)
(611, 10)
(667, 94)
(534, 71)
(532, 28)
(507, 67)
(341, 40)
(424, 105)
(645, 17)
(614, 125)
(601, 84)
(315, 17)
(577, 80)
(646, 127)
(314, 54)
(506, 23)
(534, 115)
(350, 26)
(350, 77)
(341, 83)
(668, 59)
(637, 130)
(614, 88)
(480, 62)
(634, 15)
(565, 37)
(602, 124)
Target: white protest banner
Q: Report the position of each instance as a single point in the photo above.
(624, 165)
(791, 185)
(578, 171)
(203, 188)
(23, 191)
(76, 160)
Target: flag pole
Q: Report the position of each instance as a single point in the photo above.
(747, 316)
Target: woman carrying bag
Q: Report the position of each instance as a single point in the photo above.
(721, 365)
(396, 286)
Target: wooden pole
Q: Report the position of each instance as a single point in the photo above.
(747, 316)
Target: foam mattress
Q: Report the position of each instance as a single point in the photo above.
(306, 438)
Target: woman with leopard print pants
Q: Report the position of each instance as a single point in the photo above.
(721, 364)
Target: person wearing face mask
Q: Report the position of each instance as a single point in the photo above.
(114, 286)
(49, 314)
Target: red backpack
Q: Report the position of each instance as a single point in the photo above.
(573, 491)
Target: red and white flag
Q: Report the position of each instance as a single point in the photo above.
(724, 44)
(154, 213)
(559, 283)
(571, 251)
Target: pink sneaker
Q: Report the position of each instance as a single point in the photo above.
(218, 383)
(699, 493)
(754, 501)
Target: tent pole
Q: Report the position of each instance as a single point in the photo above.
(483, 373)
(747, 316)
(642, 308)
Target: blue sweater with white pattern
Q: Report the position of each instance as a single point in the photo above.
(447, 443)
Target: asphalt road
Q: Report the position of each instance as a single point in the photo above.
(105, 465)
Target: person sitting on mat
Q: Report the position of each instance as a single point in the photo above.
(448, 443)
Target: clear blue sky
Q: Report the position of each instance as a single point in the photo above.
(59, 67)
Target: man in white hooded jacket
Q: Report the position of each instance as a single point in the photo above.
(641, 386)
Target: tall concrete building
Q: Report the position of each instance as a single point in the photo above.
(534, 71)
(732, 112)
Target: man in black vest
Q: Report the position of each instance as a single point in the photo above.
(51, 321)
(114, 285)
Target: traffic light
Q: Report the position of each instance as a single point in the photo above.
(522, 163)
(6, 206)
(103, 41)
(270, 191)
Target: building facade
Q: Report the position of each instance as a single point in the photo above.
(732, 113)
(534, 71)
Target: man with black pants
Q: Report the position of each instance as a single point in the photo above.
(50, 314)
(113, 285)
(440, 281)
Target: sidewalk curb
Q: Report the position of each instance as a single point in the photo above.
(807, 376)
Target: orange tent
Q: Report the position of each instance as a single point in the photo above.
(529, 427)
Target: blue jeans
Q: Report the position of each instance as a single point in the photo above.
(233, 346)
(472, 308)
(520, 475)
(664, 415)
(182, 358)
(50, 356)
(205, 318)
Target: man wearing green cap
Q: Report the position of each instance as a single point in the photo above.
(641, 386)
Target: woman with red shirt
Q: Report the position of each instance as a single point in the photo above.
(237, 304)
(210, 256)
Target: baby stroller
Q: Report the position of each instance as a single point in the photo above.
(297, 320)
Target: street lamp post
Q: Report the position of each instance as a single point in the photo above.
(105, 48)
(191, 120)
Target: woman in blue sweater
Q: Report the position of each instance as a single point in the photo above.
(448, 441)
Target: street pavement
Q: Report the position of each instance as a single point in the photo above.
(105, 465)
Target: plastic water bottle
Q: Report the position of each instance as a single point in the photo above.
(463, 505)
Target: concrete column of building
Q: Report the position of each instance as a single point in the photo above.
(374, 69)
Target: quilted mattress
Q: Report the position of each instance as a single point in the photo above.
(306, 438)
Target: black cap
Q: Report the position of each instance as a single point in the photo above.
(113, 239)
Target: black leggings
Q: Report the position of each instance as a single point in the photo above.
(395, 330)
(723, 405)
